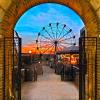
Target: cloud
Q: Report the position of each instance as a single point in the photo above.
(52, 15)
(32, 22)
(28, 37)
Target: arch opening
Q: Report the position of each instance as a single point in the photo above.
(36, 19)
(11, 16)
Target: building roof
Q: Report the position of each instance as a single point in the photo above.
(71, 49)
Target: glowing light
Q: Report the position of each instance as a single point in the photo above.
(90, 99)
(39, 62)
(73, 60)
(30, 51)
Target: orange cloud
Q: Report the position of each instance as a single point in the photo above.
(46, 49)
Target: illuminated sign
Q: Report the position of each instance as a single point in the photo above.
(70, 58)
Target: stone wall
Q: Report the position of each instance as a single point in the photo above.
(11, 10)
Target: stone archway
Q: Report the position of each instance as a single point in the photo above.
(11, 10)
(83, 8)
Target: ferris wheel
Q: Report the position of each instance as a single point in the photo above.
(54, 37)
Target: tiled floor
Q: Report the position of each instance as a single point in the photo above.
(49, 87)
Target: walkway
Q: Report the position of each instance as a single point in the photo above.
(49, 87)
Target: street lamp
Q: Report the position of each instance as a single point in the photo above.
(30, 52)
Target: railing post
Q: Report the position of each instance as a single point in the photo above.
(4, 69)
(19, 68)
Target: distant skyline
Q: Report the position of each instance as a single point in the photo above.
(32, 21)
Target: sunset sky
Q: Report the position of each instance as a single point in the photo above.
(32, 21)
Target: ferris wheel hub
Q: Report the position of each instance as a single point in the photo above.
(55, 42)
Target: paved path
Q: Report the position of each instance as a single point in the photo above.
(49, 87)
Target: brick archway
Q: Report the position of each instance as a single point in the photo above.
(83, 8)
(17, 7)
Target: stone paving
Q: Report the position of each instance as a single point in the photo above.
(49, 87)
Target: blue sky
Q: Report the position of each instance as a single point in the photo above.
(32, 21)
